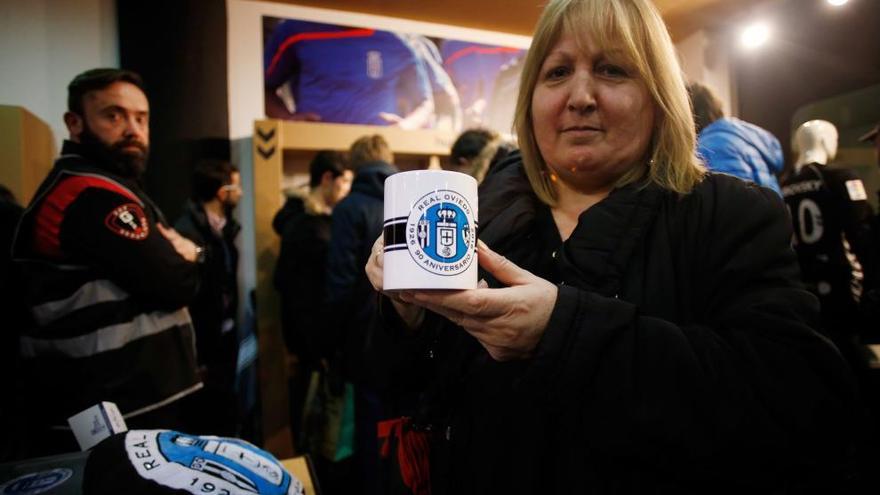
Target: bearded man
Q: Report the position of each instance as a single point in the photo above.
(107, 282)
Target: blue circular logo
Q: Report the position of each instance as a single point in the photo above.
(34, 483)
(441, 235)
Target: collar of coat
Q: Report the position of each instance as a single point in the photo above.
(599, 250)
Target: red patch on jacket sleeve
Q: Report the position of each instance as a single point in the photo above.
(128, 221)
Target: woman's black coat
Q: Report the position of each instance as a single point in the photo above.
(680, 355)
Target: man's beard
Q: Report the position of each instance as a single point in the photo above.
(113, 156)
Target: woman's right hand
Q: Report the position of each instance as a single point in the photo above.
(411, 314)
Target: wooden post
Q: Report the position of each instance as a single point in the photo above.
(268, 173)
(27, 151)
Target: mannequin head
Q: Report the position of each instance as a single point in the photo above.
(815, 141)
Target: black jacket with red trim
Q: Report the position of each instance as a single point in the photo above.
(107, 293)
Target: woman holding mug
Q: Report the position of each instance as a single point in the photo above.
(641, 327)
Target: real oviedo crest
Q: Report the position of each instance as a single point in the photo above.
(441, 233)
(430, 231)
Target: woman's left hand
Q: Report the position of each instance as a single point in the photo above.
(508, 322)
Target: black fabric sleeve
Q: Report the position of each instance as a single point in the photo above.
(403, 358)
(855, 216)
(301, 275)
(346, 241)
(148, 268)
(307, 262)
(185, 227)
(746, 382)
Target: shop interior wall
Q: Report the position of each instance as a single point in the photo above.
(704, 56)
(44, 44)
(179, 47)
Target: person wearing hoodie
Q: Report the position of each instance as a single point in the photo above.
(732, 146)
(351, 302)
(304, 226)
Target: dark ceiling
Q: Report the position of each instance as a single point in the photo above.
(817, 52)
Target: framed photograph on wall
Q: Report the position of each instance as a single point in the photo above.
(309, 64)
(315, 71)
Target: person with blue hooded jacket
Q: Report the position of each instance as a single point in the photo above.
(732, 146)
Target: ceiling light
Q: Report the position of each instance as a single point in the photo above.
(837, 3)
(755, 35)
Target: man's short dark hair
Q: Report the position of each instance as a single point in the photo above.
(326, 161)
(95, 79)
(209, 176)
(707, 108)
(470, 144)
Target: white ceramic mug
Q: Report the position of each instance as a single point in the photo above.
(430, 230)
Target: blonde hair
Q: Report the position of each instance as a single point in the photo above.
(635, 28)
(370, 149)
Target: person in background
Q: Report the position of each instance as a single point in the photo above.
(10, 214)
(640, 326)
(304, 226)
(14, 321)
(105, 278)
(870, 306)
(871, 301)
(475, 151)
(873, 137)
(350, 299)
(732, 146)
(208, 221)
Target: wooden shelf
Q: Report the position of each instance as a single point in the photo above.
(319, 136)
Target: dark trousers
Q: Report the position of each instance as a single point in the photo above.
(213, 410)
(368, 412)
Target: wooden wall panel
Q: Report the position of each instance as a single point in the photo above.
(27, 151)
